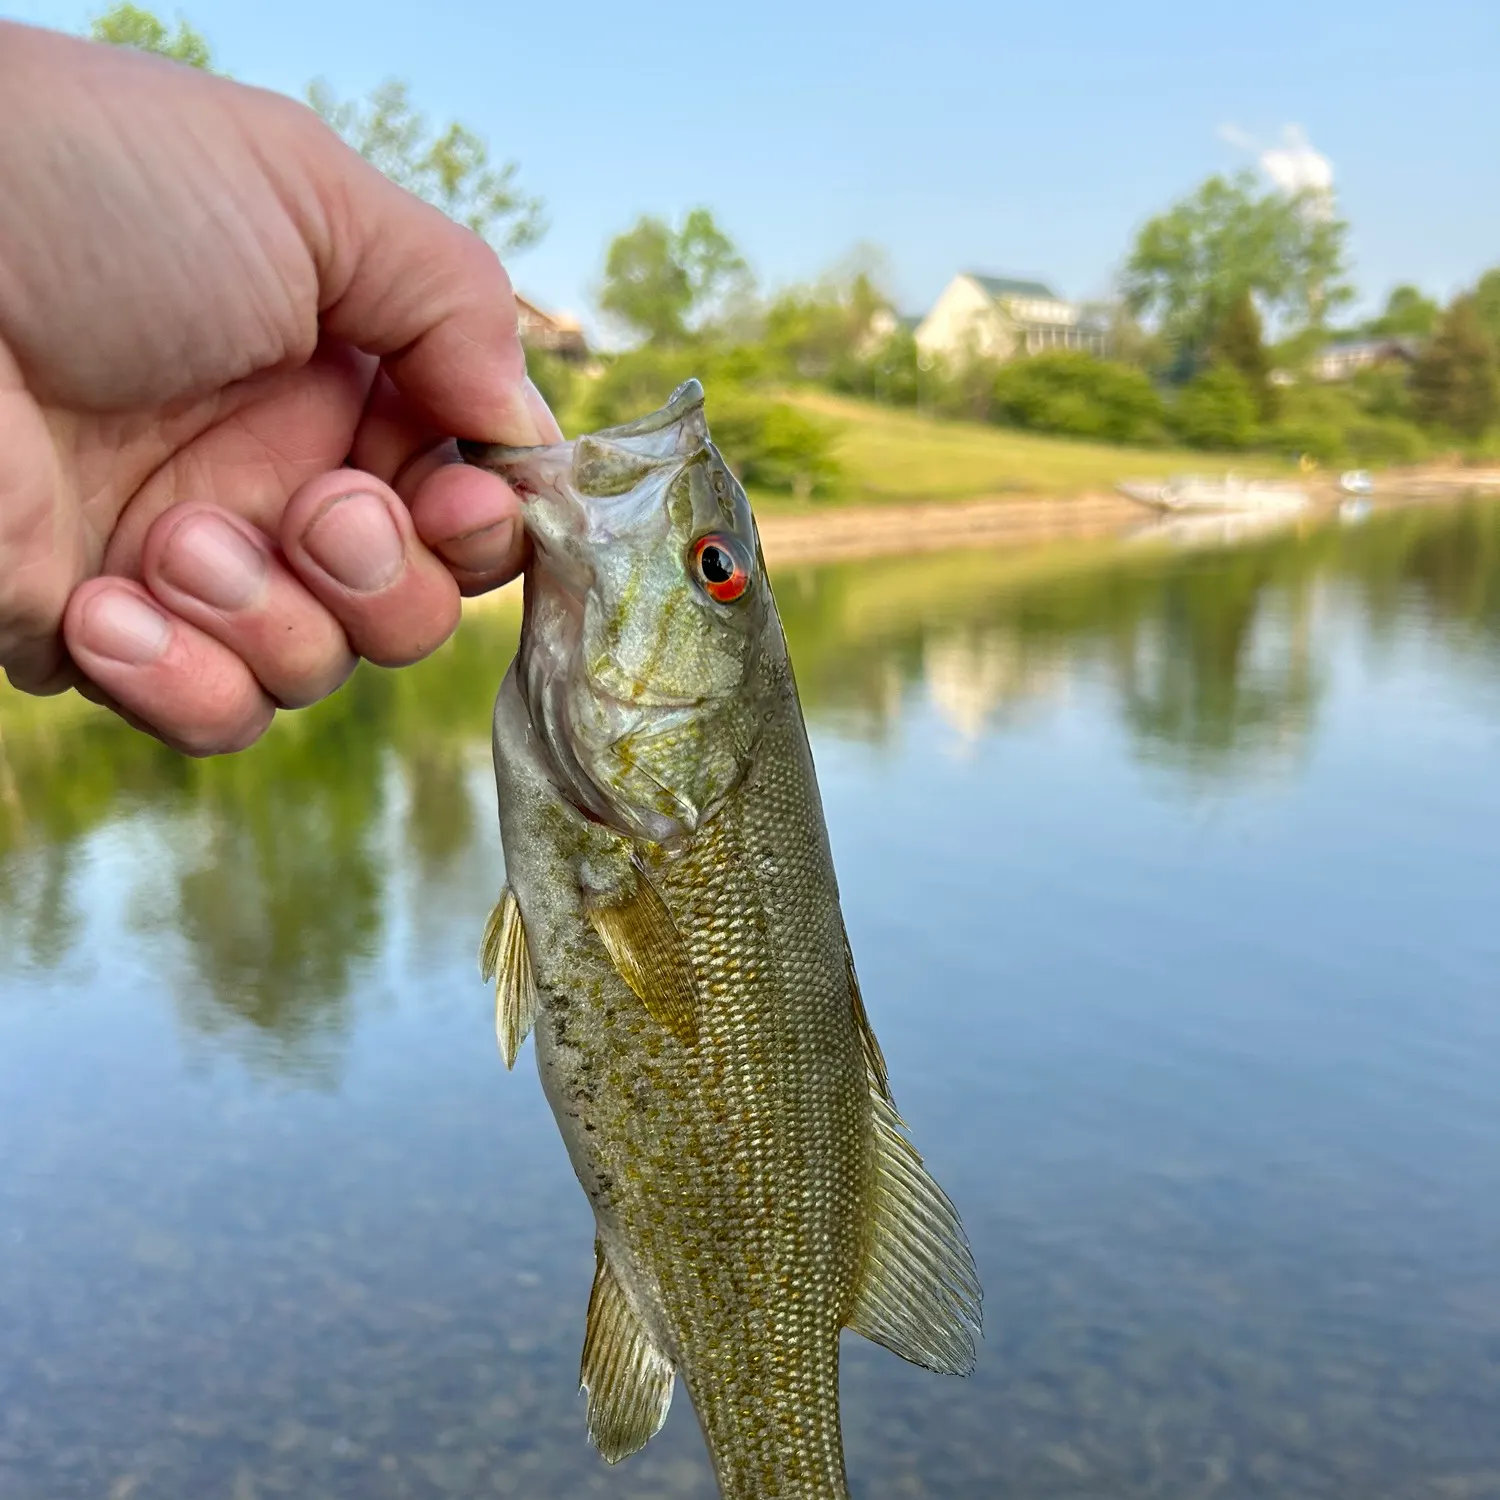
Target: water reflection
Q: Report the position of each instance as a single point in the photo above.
(270, 869)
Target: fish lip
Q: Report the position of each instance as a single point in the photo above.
(687, 398)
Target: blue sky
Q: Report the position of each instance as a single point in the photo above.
(1029, 140)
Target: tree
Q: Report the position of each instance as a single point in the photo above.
(829, 329)
(1455, 384)
(1237, 343)
(1190, 264)
(662, 282)
(1408, 314)
(450, 169)
(1487, 303)
(126, 25)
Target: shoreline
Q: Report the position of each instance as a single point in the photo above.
(844, 532)
(936, 525)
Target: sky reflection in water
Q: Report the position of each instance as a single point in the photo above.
(1172, 885)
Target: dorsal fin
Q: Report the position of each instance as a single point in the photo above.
(648, 952)
(504, 957)
(628, 1379)
(919, 1290)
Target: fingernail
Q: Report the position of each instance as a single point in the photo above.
(209, 559)
(547, 428)
(356, 542)
(529, 422)
(482, 551)
(125, 629)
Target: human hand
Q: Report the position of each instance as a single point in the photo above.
(208, 303)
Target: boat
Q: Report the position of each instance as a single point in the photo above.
(1190, 492)
(1356, 482)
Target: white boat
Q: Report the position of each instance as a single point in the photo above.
(1190, 492)
(1356, 482)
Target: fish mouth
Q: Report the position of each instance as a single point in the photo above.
(683, 406)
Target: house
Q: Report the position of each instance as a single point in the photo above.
(1346, 357)
(1001, 317)
(558, 333)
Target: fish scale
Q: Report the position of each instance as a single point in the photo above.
(672, 932)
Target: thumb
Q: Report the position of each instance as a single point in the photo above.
(401, 280)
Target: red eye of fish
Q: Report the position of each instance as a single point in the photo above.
(721, 566)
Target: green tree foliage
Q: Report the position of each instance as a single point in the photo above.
(1366, 420)
(885, 370)
(1487, 303)
(1079, 396)
(1191, 263)
(1236, 342)
(1216, 409)
(662, 283)
(1455, 383)
(554, 377)
(821, 332)
(449, 167)
(127, 25)
(1408, 314)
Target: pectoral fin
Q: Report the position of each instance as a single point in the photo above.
(504, 957)
(648, 952)
(919, 1290)
(628, 1379)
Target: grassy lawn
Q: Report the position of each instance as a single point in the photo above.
(890, 455)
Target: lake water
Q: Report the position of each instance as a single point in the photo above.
(1172, 880)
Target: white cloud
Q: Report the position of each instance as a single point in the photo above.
(1295, 165)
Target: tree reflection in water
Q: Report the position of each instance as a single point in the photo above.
(271, 871)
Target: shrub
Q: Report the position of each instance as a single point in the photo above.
(771, 444)
(1079, 396)
(1386, 440)
(1324, 441)
(1216, 410)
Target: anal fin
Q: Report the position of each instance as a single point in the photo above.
(628, 1379)
(504, 957)
(919, 1292)
(648, 953)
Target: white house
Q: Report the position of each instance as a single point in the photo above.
(999, 317)
(1347, 357)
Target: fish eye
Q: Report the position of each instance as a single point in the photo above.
(721, 566)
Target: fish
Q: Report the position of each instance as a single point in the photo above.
(671, 934)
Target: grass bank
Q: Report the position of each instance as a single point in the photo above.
(894, 456)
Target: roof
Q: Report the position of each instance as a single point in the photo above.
(563, 322)
(1392, 345)
(1009, 286)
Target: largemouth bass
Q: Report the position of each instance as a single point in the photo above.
(671, 929)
